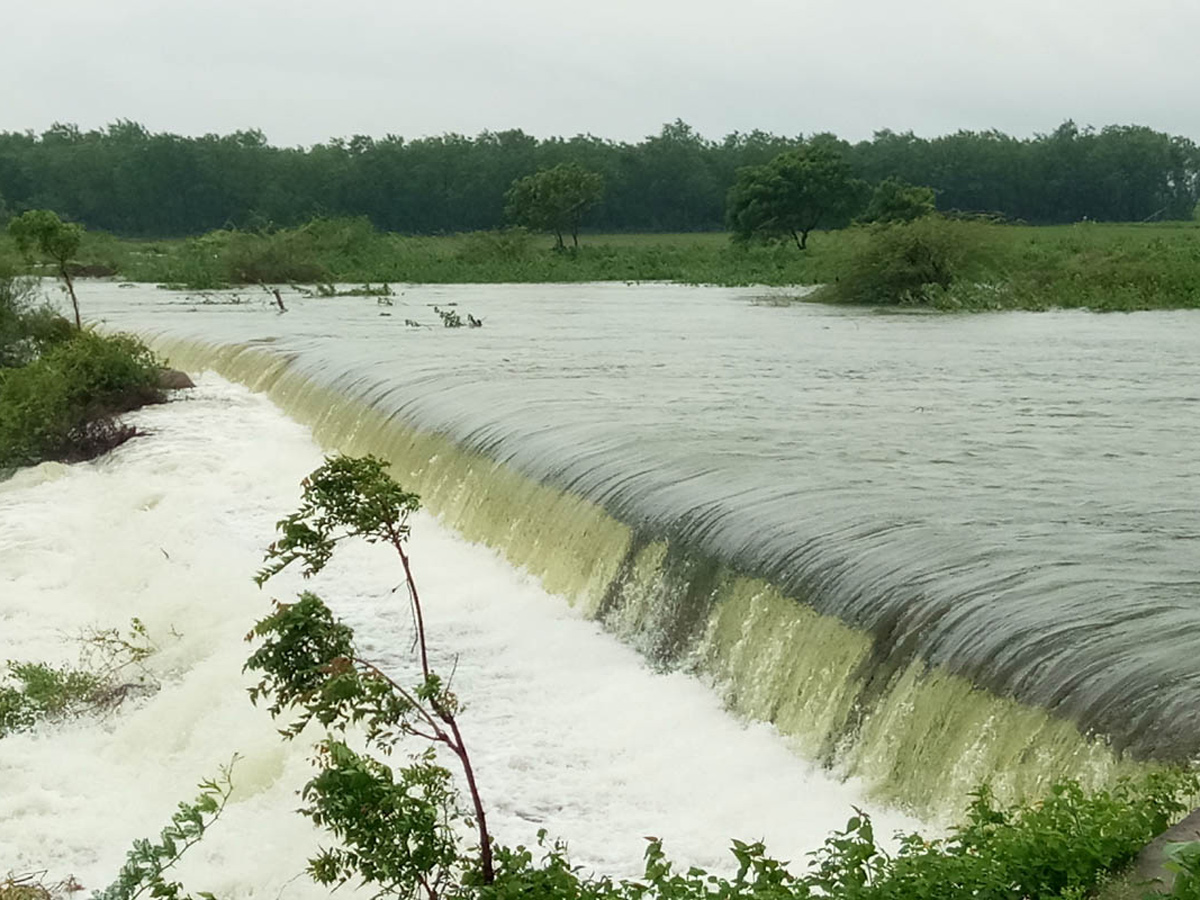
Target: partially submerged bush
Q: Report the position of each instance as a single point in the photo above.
(111, 668)
(30, 692)
(908, 263)
(321, 251)
(62, 406)
(279, 258)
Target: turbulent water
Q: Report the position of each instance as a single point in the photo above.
(919, 543)
(569, 729)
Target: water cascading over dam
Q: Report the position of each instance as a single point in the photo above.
(932, 550)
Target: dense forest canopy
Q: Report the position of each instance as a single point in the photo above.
(132, 182)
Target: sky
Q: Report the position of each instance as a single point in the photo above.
(304, 71)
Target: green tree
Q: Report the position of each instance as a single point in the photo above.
(895, 200)
(42, 232)
(555, 200)
(791, 195)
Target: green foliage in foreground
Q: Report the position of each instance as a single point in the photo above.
(147, 861)
(1183, 861)
(63, 405)
(395, 823)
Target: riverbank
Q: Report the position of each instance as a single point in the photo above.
(998, 266)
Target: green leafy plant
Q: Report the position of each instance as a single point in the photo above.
(147, 861)
(64, 405)
(555, 200)
(910, 263)
(31, 692)
(27, 327)
(788, 197)
(42, 232)
(308, 664)
(1183, 862)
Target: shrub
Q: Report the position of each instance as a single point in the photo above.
(62, 406)
(504, 245)
(26, 327)
(33, 691)
(282, 257)
(907, 263)
(895, 200)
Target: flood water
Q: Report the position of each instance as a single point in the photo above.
(1011, 496)
(569, 730)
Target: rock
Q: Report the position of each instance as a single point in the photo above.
(1149, 867)
(174, 380)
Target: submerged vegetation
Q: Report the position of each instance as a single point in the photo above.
(111, 668)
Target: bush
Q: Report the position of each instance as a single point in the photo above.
(910, 263)
(26, 328)
(282, 257)
(895, 200)
(62, 406)
(505, 245)
(33, 691)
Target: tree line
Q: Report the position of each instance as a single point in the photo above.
(133, 182)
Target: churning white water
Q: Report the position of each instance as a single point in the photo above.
(569, 729)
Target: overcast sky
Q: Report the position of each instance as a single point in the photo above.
(304, 71)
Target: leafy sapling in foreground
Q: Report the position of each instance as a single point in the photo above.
(147, 861)
(396, 824)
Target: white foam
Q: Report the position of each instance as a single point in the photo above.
(569, 729)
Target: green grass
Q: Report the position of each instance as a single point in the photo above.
(1097, 266)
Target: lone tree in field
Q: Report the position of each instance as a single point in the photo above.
(791, 195)
(42, 232)
(555, 200)
(896, 200)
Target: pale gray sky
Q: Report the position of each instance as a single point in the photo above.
(304, 71)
